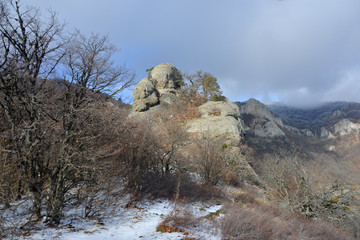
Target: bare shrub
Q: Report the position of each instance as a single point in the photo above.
(288, 181)
(214, 112)
(266, 222)
(207, 159)
(178, 187)
(177, 221)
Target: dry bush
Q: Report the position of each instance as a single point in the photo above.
(184, 111)
(181, 219)
(165, 228)
(245, 198)
(288, 182)
(215, 161)
(214, 112)
(266, 222)
(178, 221)
(207, 159)
(292, 186)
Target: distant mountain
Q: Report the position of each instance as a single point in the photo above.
(316, 118)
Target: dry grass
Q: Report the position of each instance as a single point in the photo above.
(165, 228)
(214, 112)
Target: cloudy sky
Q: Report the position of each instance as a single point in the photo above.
(302, 52)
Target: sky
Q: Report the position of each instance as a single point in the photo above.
(301, 52)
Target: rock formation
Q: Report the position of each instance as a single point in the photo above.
(259, 120)
(345, 127)
(159, 87)
(341, 128)
(221, 120)
(326, 133)
(218, 119)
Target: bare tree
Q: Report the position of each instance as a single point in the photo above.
(89, 72)
(30, 47)
(51, 144)
(90, 67)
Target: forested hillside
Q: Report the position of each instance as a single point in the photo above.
(183, 162)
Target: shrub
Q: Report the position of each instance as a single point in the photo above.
(270, 223)
(208, 159)
(177, 221)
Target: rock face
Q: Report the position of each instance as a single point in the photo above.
(221, 120)
(325, 133)
(345, 127)
(218, 119)
(159, 87)
(165, 76)
(145, 95)
(259, 120)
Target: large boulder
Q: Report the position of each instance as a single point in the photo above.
(159, 87)
(166, 76)
(145, 95)
(144, 89)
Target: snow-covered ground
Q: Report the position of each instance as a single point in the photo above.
(138, 222)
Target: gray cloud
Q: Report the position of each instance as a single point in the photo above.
(302, 52)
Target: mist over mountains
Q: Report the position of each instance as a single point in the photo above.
(317, 117)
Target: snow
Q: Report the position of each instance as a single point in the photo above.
(139, 222)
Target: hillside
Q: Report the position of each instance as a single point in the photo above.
(173, 158)
(182, 162)
(315, 118)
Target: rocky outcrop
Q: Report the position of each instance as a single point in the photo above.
(259, 110)
(259, 120)
(221, 121)
(324, 133)
(345, 127)
(341, 128)
(218, 119)
(269, 129)
(145, 95)
(159, 87)
(165, 76)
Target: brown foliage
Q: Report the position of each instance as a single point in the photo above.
(265, 222)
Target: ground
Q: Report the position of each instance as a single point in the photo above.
(137, 222)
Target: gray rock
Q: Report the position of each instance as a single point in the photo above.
(324, 133)
(160, 87)
(224, 108)
(260, 121)
(141, 105)
(269, 129)
(144, 89)
(221, 120)
(259, 110)
(218, 119)
(166, 76)
(307, 132)
(168, 96)
(345, 127)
